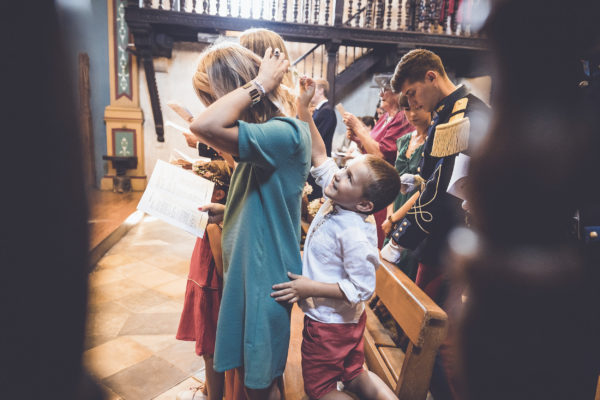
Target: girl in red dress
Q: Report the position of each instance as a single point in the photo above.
(204, 286)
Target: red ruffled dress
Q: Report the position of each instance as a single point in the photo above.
(202, 300)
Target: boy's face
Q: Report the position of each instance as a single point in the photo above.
(423, 94)
(348, 184)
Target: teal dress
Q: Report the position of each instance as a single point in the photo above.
(408, 263)
(261, 243)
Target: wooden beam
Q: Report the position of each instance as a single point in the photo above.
(154, 99)
(143, 36)
(85, 120)
(332, 50)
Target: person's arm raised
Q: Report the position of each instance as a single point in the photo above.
(361, 135)
(216, 125)
(307, 90)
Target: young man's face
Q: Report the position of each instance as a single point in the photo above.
(422, 94)
(348, 184)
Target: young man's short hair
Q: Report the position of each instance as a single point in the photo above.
(414, 65)
(322, 83)
(384, 185)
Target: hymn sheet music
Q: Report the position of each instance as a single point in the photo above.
(173, 195)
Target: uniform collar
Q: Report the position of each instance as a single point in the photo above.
(446, 104)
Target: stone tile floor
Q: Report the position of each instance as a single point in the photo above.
(136, 297)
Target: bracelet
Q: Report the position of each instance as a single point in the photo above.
(390, 219)
(260, 87)
(254, 94)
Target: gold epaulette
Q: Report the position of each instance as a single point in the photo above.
(452, 137)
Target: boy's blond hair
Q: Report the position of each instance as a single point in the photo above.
(384, 185)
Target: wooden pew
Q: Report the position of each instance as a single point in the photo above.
(423, 322)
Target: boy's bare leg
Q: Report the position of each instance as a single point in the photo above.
(369, 386)
(336, 395)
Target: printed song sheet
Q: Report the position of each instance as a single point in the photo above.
(458, 180)
(174, 195)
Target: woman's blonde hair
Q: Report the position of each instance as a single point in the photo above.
(225, 66)
(258, 40)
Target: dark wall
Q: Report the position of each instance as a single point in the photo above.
(84, 25)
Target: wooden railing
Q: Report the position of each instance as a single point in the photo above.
(314, 61)
(346, 38)
(444, 17)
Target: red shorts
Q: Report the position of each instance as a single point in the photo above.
(331, 353)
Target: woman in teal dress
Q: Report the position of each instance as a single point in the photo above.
(408, 158)
(261, 232)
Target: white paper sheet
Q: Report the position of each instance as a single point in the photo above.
(458, 180)
(173, 195)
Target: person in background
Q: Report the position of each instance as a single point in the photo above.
(410, 152)
(378, 111)
(324, 115)
(368, 121)
(381, 140)
(461, 120)
(200, 313)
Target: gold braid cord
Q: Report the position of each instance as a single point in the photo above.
(417, 209)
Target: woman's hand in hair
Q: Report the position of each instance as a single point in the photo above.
(272, 70)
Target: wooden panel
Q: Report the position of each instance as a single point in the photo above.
(393, 357)
(292, 377)
(107, 211)
(376, 363)
(415, 375)
(408, 304)
(378, 332)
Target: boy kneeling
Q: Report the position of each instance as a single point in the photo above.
(338, 269)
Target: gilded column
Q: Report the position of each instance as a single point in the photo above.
(123, 117)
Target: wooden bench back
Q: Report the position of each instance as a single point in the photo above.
(423, 322)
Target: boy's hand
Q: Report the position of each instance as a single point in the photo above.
(215, 212)
(307, 91)
(298, 288)
(273, 67)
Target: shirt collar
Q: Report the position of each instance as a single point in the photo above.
(448, 102)
(340, 210)
(321, 104)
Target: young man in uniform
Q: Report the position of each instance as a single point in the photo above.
(459, 121)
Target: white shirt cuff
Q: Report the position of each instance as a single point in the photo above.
(391, 252)
(349, 291)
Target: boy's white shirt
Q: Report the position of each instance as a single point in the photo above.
(340, 247)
